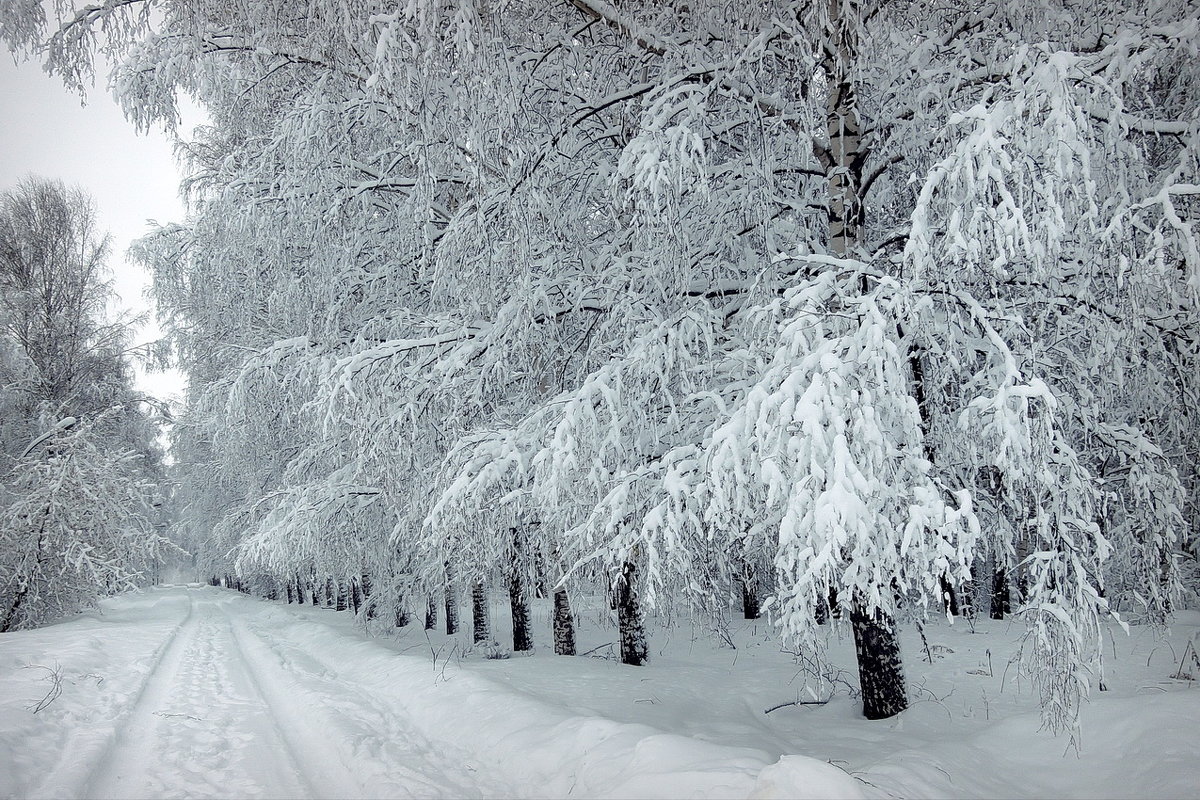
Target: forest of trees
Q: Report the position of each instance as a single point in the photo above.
(81, 479)
(861, 310)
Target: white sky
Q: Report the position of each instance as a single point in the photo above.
(45, 131)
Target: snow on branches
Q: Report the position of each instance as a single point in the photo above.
(825, 456)
(879, 294)
(77, 523)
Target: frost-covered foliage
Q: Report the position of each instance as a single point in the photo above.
(826, 452)
(877, 294)
(81, 484)
(76, 524)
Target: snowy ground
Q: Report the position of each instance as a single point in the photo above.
(201, 692)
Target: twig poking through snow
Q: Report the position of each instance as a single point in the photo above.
(56, 678)
(798, 703)
(594, 649)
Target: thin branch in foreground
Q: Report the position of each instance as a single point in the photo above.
(55, 677)
(798, 703)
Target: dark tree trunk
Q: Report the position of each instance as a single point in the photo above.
(828, 607)
(518, 600)
(949, 596)
(522, 632)
(431, 613)
(403, 615)
(564, 623)
(330, 593)
(631, 623)
(356, 597)
(10, 617)
(748, 579)
(1000, 602)
(751, 608)
(366, 596)
(451, 610)
(288, 587)
(481, 614)
(340, 603)
(880, 671)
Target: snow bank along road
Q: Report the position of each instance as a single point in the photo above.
(197, 692)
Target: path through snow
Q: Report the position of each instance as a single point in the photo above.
(227, 708)
(200, 692)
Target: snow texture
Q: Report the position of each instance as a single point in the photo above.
(202, 692)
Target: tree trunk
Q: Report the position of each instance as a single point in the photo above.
(522, 630)
(631, 623)
(403, 618)
(341, 596)
(880, 671)
(10, 617)
(288, 588)
(949, 596)
(748, 579)
(518, 599)
(481, 614)
(330, 593)
(356, 597)
(564, 623)
(843, 162)
(967, 605)
(539, 566)
(431, 613)
(366, 596)
(1000, 605)
(751, 608)
(451, 610)
(828, 607)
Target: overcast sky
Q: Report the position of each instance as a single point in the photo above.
(45, 131)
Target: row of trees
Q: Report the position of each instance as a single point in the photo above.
(847, 303)
(81, 472)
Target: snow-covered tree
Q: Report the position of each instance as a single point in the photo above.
(875, 293)
(81, 490)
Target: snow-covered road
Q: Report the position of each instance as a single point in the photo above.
(201, 722)
(191, 691)
(228, 708)
(194, 691)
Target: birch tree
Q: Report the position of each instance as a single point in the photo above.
(82, 472)
(870, 291)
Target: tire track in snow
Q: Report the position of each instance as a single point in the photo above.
(201, 727)
(364, 748)
(104, 780)
(66, 780)
(222, 739)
